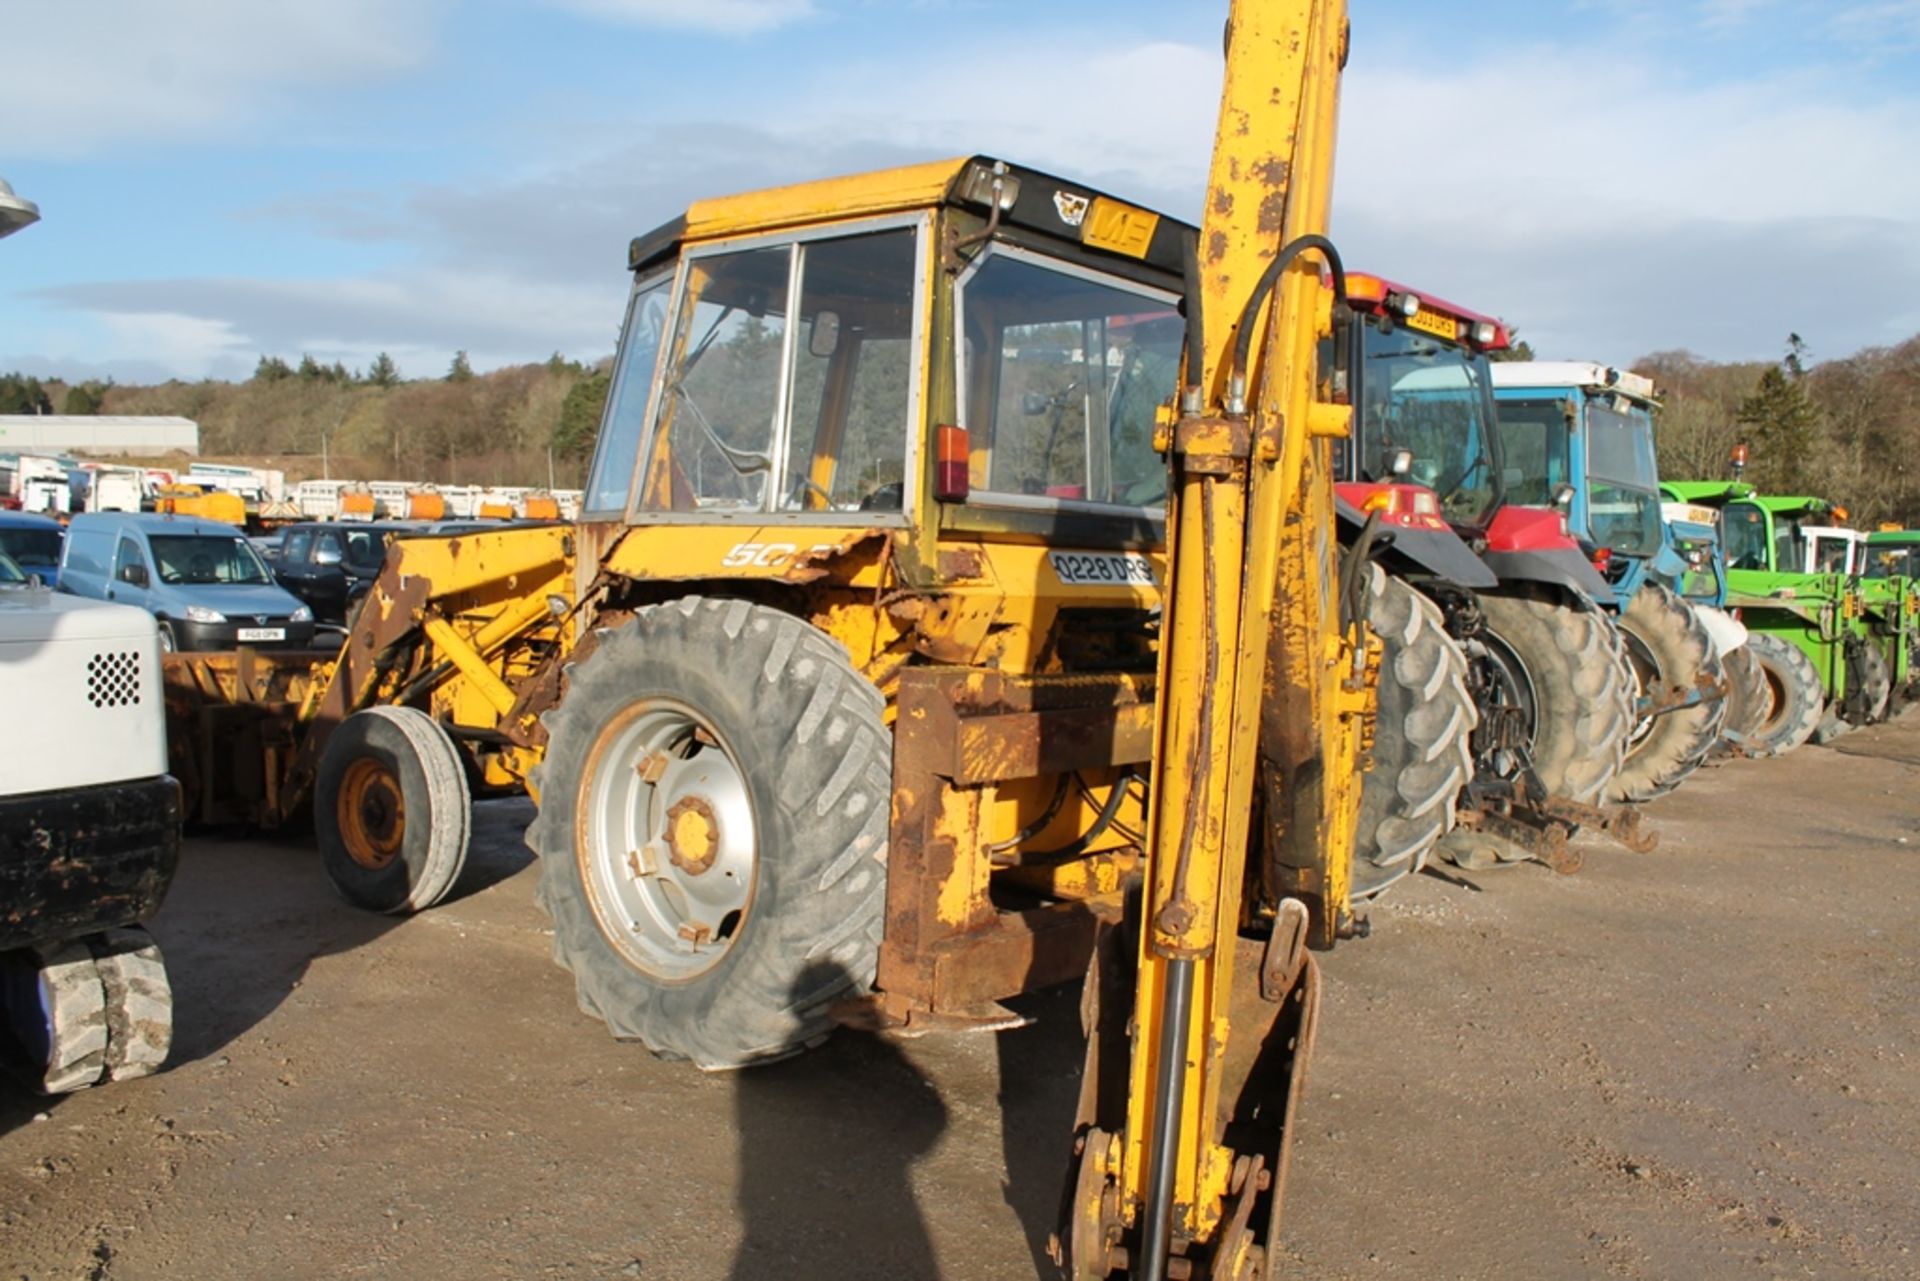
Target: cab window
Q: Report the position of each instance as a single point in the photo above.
(611, 478)
(1745, 529)
(298, 546)
(1062, 372)
(788, 381)
(127, 556)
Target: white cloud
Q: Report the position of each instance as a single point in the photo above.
(82, 74)
(189, 344)
(730, 17)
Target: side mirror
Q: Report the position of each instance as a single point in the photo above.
(1035, 403)
(1563, 497)
(823, 336)
(1399, 463)
(134, 574)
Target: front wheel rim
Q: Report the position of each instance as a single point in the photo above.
(667, 841)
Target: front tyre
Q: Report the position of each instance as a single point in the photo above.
(1421, 754)
(1793, 695)
(1668, 645)
(391, 810)
(712, 833)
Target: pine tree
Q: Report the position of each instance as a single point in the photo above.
(580, 414)
(460, 371)
(1785, 426)
(271, 369)
(383, 372)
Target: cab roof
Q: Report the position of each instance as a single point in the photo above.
(1560, 374)
(1718, 492)
(1029, 199)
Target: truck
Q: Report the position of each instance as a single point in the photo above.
(1578, 436)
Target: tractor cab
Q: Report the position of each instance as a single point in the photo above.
(1579, 436)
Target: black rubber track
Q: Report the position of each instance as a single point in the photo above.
(1665, 634)
(808, 734)
(1422, 755)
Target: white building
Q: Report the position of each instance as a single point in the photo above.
(102, 435)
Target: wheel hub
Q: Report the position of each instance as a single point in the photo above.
(668, 847)
(373, 814)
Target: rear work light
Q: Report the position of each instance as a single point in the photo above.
(951, 461)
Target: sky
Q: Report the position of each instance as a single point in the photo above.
(222, 179)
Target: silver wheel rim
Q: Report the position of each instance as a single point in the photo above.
(668, 847)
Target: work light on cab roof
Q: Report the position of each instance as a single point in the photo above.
(1436, 316)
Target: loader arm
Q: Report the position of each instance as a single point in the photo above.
(1257, 676)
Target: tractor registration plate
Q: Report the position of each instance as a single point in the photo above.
(263, 633)
(1433, 322)
(1119, 569)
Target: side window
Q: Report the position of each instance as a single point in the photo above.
(327, 550)
(713, 439)
(1063, 375)
(852, 375)
(127, 554)
(626, 417)
(1745, 527)
(298, 547)
(365, 548)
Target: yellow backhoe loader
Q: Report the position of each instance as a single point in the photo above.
(939, 519)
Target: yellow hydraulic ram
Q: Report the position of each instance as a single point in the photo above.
(1258, 677)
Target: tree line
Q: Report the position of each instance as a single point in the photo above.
(504, 427)
(1847, 430)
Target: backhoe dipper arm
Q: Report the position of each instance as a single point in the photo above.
(1250, 565)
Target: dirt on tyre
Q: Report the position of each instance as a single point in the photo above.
(391, 810)
(1794, 700)
(1422, 754)
(1549, 674)
(712, 834)
(1668, 648)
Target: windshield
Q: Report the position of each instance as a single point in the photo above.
(207, 558)
(1430, 397)
(10, 574)
(1533, 449)
(1062, 374)
(1832, 554)
(1745, 530)
(1623, 482)
(30, 545)
(1892, 560)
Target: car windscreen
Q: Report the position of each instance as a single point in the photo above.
(207, 558)
(30, 544)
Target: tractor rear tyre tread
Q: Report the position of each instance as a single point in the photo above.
(1584, 692)
(1668, 632)
(808, 734)
(413, 755)
(1422, 755)
(1747, 696)
(1794, 699)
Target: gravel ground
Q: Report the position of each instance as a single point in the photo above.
(1701, 1062)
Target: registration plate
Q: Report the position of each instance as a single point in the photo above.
(1432, 322)
(1118, 569)
(263, 633)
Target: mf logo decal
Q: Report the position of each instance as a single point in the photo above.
(770, 555)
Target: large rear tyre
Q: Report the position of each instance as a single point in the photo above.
(1667, 645)
(1793, 701)
(1573, 693)
(712, 832)
(1550, 679)
(1422, 755)
(391, 810)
